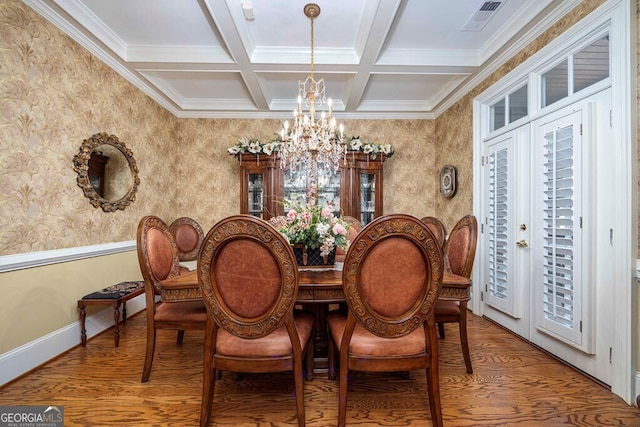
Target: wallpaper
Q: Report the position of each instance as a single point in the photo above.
(454, 128)
(54, 94)
(210, 178)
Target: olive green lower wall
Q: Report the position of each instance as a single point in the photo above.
(41, 300)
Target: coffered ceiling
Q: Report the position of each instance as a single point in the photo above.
(244, 58)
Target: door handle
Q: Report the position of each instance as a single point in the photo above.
(522, 243)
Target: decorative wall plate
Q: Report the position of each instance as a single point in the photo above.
(448, 181)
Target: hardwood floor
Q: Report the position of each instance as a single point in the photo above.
(513, 384)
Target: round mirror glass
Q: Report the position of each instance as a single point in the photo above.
(107, 172)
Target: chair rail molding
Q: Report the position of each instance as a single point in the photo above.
(38, 259)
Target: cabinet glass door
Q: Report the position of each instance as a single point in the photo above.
(367, 197)
(297, 185)
(255, 194)
(329, 189)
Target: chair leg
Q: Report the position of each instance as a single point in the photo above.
(299, 385)
(463, 337)
(433, 379)
(441, 329)
(308, 357)
(331, 356)
(180, 337)
(148, 357)
(209, 375)
(342, 391)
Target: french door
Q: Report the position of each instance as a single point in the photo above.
(505, 230)
(545, 266)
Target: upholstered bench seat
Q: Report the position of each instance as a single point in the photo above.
(115, 296)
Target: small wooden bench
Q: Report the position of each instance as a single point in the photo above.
(115, 296)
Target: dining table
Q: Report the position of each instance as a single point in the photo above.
(315, 286)
(319, 289)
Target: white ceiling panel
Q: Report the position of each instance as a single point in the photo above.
(379, 58)
(280, 95)
(406, 92)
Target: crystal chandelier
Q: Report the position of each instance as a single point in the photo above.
(312, 144)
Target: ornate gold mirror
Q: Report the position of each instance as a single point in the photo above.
(107, 172)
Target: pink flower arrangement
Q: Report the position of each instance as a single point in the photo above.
(311, 225)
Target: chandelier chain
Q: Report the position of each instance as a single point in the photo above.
(312, 48)
(312, 146)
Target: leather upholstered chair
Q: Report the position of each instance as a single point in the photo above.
(437, 228)
(355, 227)
(157, 256)
(459, 254)
(189, 236)
(353, 222)
(391, 280)
(249, 280)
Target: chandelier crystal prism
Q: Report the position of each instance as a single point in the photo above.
(312, 144)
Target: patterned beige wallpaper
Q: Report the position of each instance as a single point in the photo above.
(54, 94)
(209, 177)
(454, 128)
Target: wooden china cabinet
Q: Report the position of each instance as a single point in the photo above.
(356, 188)
(361, 186)
(260, 183)
(96, 172)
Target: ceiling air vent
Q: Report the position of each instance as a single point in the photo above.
(480, 17)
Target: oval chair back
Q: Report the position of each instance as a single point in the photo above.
(189, 236)
(158, 259)
(249, 281)
(355, 227)
(460, 248)
(391, 280)
(459, 254)
(437, 228)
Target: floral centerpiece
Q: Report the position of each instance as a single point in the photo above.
(354, 144)
(312, 226)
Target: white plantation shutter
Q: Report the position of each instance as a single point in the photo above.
(500, 290)
(558, 227)
(559, 278)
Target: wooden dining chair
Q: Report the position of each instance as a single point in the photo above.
(189, 236)
(391, 281)
(355, 226)
(249, 280)
(157, 256)
(437, 228)
(353, 222)
(459, 254)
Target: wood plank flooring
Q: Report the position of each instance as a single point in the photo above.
(513, 384)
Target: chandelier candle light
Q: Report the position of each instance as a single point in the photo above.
(312, 143)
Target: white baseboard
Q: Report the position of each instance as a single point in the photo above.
(33, 354)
